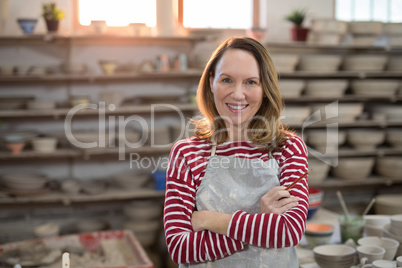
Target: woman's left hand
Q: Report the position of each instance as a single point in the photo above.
(216, 222)
(196, 221)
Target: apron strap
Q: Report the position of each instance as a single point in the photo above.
(213, 150)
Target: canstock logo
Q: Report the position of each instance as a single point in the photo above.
(330, 112)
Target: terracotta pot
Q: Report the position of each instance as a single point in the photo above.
(52, 25)
(15, 147)
(299, 34)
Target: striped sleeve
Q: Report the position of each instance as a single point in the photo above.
(185, 245)
(273, 230)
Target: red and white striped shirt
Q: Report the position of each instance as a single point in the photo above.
(187, 163)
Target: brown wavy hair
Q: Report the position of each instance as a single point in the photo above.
(265, 129)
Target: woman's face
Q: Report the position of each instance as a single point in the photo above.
(237, 87)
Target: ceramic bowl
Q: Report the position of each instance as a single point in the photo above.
(396, 224)
(363, 39)
(394, 64)
(27, 25)
(325, 141)
(291, 88)
(285, 63)
(15, 147)
(370, 252)
(108, 66)
(357, 168)
(375, 87)
(329, 88)
(71, 186)
(329, 26)
(295, 114)
(388, 204)
(41, 104)
(365, 63)
(365, 27)
(389, 166)
(44, 144)
(318, 234)
(115, 98)
(390, 245)
(334, 256)
(365, 139)
(377, 220)
(320, 63)
(393, 28)
(316, 196)
(341, 113)
(319, 171)
(24, 181)
(132, 180)
(393, 137)
(47, 230)
(392, 112)
(145, 231)
(143, 213)
(91, 225)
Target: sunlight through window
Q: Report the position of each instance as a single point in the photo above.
(235, 14)
(118, 12)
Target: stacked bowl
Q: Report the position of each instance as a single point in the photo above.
(394, 137)
(334, 256)
(143, 218)
(315, 198)
(365, 32)
(24, 183)
(389, 167)
(328, 88)
(326, 141)
(285, 63)
(291, 88)
(293, 114)
(318, 233)
(365, 63)
(327, 31)
(320, 63)
(319, 171)
(375, 87)
(365, 139)
(356, 169)
(374, 224)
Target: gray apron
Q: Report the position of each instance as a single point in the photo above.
(232, 184)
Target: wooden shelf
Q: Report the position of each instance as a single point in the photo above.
(95, 39)
(132, 109)
(96, 78)
(342, 152)
(340, 74)
(59, 197)
(358, 123)
(370, 181)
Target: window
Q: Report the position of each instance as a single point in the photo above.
(377, 10)
(117, 12)
(234, 14)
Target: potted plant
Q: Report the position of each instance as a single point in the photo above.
(52, 15)
(299, 33)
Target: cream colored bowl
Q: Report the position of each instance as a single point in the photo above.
(365, 139)
(285, 63)
(388, 204)
(291, 88)
(394, 137)
(319, 171)
(390, 166)
(375, 87)
(44, 145)
(329, 26)
(365, 62)
(295, 114)
(320, 63)
(354, 169)
(365, 27)
(330, 88)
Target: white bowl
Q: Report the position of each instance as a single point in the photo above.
(325, 38)
(115, 98)
(132, 180)
(365, 139)
(375, 87)
(47, 230)
(357, 168)
(394, 137)
(396, 224)
(390, 245)
(334, 256)
(295, 114)
(390, 166)
(363, 40)
(392, 112)
(41, 104)
(44, 145)
(365, 27)
(320, 63)
(341, 113)
(285, 63)
(392, 28)
(323, 137)
(388, 204)
(329, 26)
(291, 88)
(377, 220)
(331, 88)
(319, 171)
(365, 62)
(24, 181)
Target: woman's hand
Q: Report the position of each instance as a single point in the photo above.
(278, 200)
(210, 220)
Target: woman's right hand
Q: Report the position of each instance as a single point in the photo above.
(278, 200)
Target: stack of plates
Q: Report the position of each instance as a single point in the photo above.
(334, 256)
(24, 183)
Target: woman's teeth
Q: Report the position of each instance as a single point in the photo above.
(236, 107)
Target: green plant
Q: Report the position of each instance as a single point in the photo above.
(296, 17)
(51, 12)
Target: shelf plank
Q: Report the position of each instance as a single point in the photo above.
(30, 154)
(126, 109)
(370, 181)
(59, 197)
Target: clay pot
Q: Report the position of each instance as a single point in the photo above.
(299, 34)
(52, 26)
(15, 147)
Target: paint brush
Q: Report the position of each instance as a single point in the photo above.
(296, 181)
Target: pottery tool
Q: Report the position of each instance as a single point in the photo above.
(369, 206)
(66, 260)
(343, 204)
(296, 181)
